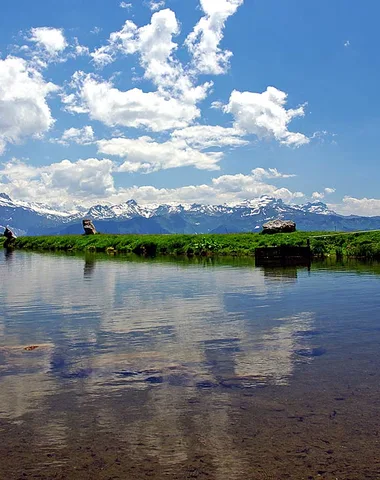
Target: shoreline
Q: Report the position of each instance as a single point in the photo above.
(351, 245)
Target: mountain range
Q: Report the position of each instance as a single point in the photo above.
(248, 216)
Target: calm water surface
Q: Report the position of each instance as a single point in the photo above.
(199, 369)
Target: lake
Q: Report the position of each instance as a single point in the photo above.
(179, 369)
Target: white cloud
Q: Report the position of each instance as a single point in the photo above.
(227, 189)
(60, 184)
(154, 43)
(177, 93)
(80, 50)
(91, 181)
(252, 186)
(206, 136)
(52, 40)
(82, 177)
(347, 43)
(132, 108)
(23, 107)
(317, 195)
(125, 5)
(203, 42)
(51, 45)
(186, 147)
(146, 154)
(358, 206)
(81, 136)
(321, 195)
(264, 114)
(156, 4)
(260, 173)
(102, 56)
(96, 30)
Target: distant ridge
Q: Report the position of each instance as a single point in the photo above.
(130, 217)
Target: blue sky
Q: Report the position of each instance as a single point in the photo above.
(190, 101)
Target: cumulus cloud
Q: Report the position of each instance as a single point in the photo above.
(90, 181)
(155, 46)
(203, 43)
(322, 195)
(132, 108)
(52, 40)
(187, 147)
(156, 4)
(252, 186)
(23, 102)
(125, 5)
(318, 195)
(178, 95)
(81, 136)
(154, 43)
(79, 50)
(148, 155)
(206, 136)
(264, 114)
(83, 177)
(358, 206)
(50, 45)
(261, 173)
(59, 184)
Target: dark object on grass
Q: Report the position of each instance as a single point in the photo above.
(10, 237)
(8, 234)
(279, 226)
(89, 228)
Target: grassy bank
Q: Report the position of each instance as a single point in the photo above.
(360, 245)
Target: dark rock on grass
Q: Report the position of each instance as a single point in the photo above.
(10, 237)
(89, 228)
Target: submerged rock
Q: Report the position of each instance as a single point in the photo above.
(31, 348)
(89, 228)
(279, 226)
(311, 352)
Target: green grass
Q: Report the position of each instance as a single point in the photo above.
(358, 245)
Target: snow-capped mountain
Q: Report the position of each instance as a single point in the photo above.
(130, 217)
(317, 207)
(32, 218)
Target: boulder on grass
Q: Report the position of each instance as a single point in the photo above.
(10, 237)
(89, 228)
(279, 226)
(8, 234)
